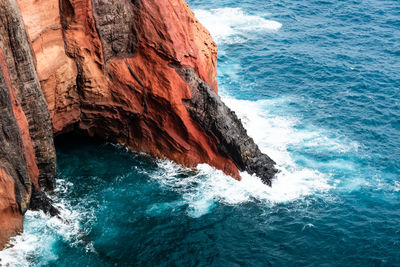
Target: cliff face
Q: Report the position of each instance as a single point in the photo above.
(104, 69)
(141, 73)
(27, 155)
(222, 123)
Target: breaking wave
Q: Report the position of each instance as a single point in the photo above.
(35, 246)
(233, 25)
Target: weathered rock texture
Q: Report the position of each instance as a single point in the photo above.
(222, 123)
(28, 92)
(141, 73)
(27, 155)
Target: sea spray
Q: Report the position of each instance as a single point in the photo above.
(36, 245)
(233, 25)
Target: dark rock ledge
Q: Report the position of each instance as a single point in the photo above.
(207, 108)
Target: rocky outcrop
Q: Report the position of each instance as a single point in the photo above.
(14, 180)
(27, 155)
(223, 124)
(141, 73)
(28, 92)
(124, 89)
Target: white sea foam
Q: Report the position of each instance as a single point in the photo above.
(28, 245)
(34, 243)
(274, 134)
(233, 25)
(41, 232)
(396, 187)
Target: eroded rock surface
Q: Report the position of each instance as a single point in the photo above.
(27, 155)
(207, 108)
(23, 78)
(115, 23)
(141, 73)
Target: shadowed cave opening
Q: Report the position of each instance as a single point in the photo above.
(77, 138)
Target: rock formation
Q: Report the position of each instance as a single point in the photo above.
(27, 154)
(141, 73)
(222, 123)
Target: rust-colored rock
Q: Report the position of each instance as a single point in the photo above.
(141, 73)
(55, 69)
(23, 76)
(119, 78)
(15, 146)
(10, 215)
(27, 156)
(23, 126)
(126, 90)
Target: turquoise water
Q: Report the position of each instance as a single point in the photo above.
(317, 85)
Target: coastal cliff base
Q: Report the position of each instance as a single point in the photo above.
(138, 73)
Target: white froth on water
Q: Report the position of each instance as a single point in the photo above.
(396, 187)
(30, 244)
(232, 25)
(41, 231)
(201, 191)
(36, 242)
(274, 134)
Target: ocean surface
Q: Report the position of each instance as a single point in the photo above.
(317, 85)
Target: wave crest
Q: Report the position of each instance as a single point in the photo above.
(233, 25)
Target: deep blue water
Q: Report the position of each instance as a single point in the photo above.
(317, 84)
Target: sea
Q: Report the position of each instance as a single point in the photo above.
(317, 85)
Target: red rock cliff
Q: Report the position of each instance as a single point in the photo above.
(141, 73)
(27, 156)
(104, 67)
